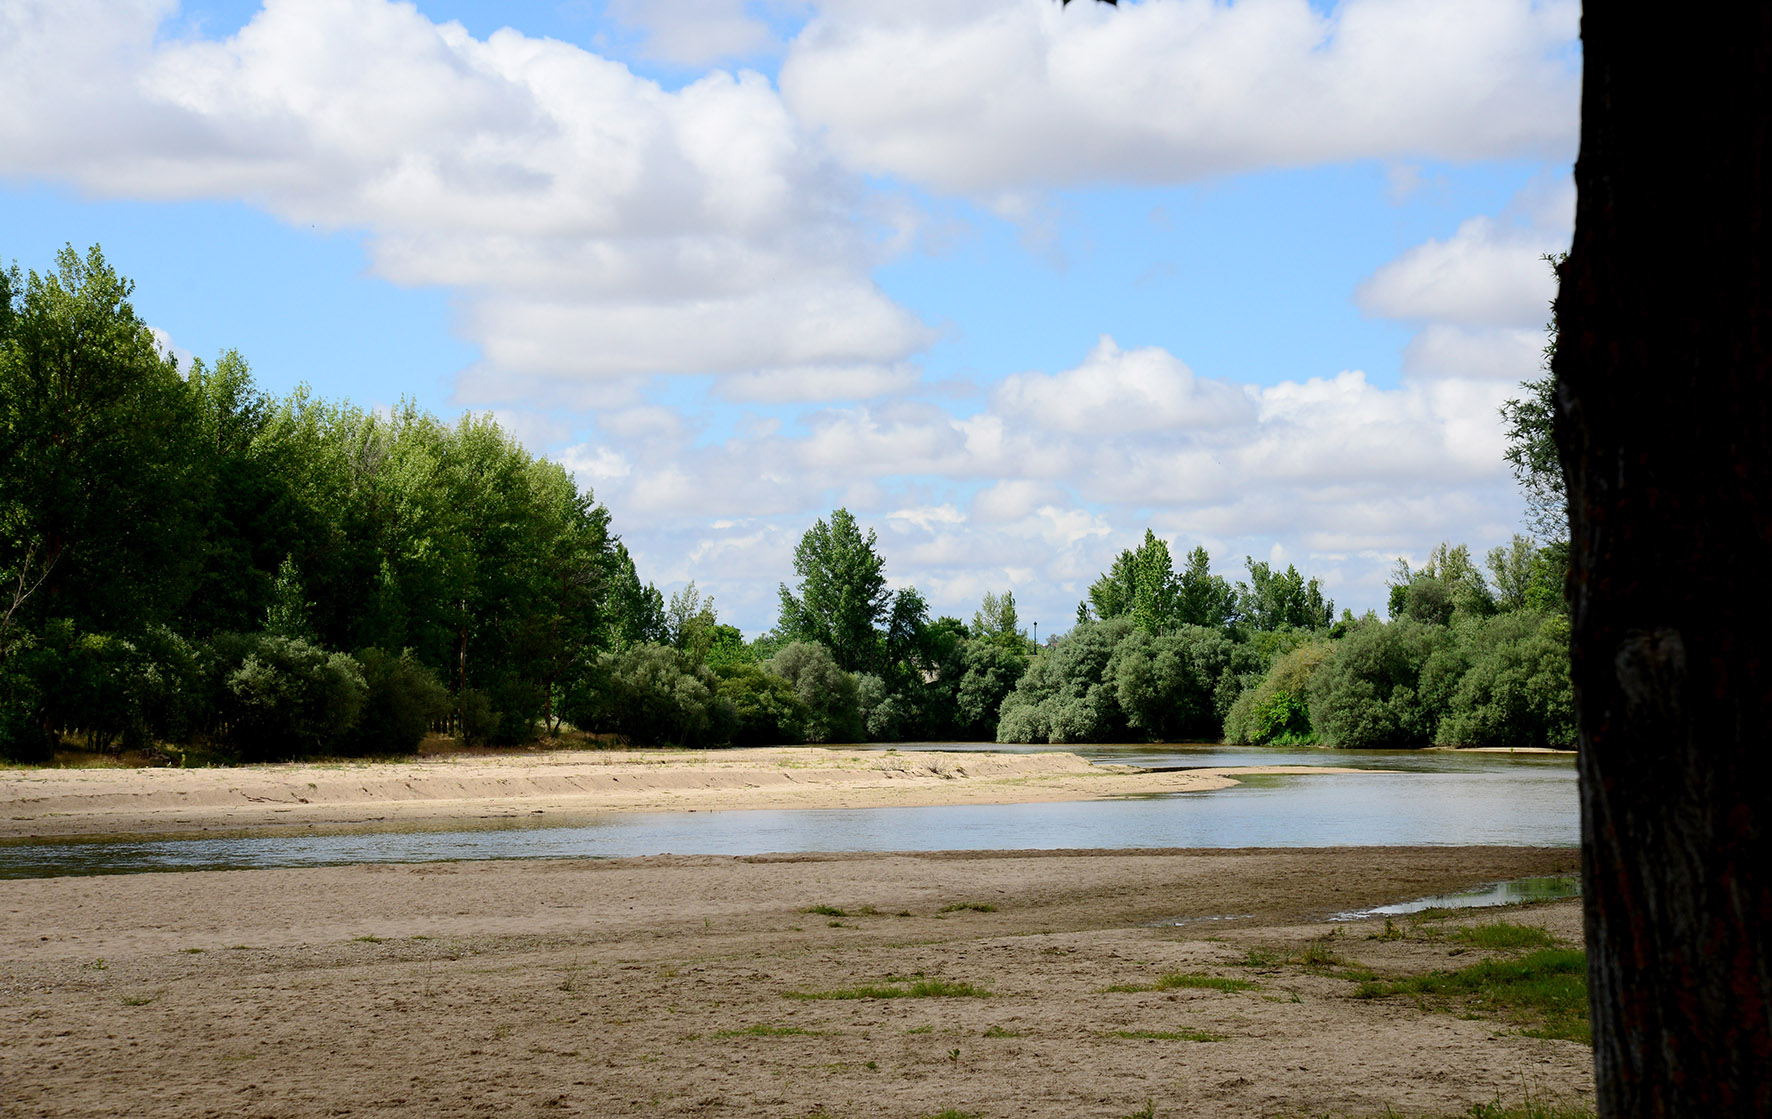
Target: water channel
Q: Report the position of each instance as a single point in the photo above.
(1432, 798)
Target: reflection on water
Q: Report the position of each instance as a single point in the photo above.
(1495, 893)
(1442, 799)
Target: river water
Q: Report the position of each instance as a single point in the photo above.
(1432, 798)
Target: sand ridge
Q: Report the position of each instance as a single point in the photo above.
(566, 784)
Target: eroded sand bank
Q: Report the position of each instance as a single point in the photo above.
(564, 784)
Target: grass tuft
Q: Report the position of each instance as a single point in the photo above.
(1544, 992)
(771, 1031)
(826, 911)
(973, 906)
(1502, 936)
(1183, 1034)
(920, 989)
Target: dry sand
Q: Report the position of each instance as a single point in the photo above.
(559, 786)
(662, 986)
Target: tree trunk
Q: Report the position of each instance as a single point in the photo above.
(1664, 420)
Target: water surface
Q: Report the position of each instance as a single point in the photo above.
(1431, 799)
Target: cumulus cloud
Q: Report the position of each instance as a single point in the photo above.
(1486, 274)
(1345, 474)
(1000, 96)
(695, 32)
(595, 225)
(1117, 390)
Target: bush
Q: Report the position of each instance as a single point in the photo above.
(1517, 690)
(761, 708)
(283, 697)
(403, 697)
(829, 695)
(1063, 696)
(1277, 708)
(1366, 695)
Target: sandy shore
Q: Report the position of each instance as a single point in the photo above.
(665, 986)
(558, 786)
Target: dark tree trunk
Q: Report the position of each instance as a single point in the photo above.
(1664, 421)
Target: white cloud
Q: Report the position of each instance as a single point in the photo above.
(1485, 274)
(1116, 391)
(1000, 96)
(695, 32)
(594, 225)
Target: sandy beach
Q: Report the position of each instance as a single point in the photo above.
(801, 986)
(559, 786)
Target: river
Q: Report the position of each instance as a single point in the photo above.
(1423, 797)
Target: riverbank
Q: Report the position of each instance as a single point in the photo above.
(558, 787)
(755, 987)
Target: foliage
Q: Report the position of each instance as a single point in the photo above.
(1277, 708)
(1273, 600)
(822, 688)
(403, 698)
(1366, 696)
(281, 697)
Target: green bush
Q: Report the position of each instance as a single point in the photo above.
(829, 694)
(1517, 690)
(1277, 708)
(283, 697)
(403, 697)
(761, 707)
(1366, 695)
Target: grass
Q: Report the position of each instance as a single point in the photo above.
(999, 1031)
(1173, 980)
(771, 1031)
(1183, 1034)
(973, 906)
(1503, 936)
(1543, 992)
(953, 1113)
(826, 911)
(918, 989)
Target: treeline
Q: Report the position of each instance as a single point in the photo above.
(191, 566)
(1466, 659)
(189, 561)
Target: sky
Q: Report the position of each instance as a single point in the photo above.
(1012, 281)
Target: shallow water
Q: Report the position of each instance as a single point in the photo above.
(1554, 888)
(1437, 799)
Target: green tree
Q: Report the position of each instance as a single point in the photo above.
(97, 487)
(842, 601)
(1274, 600)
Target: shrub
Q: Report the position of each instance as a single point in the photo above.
(282, 697)
(403, 697)
(829, 695)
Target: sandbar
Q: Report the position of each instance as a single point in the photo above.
(559, 787)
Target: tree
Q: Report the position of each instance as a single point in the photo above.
(1282, 599)
(843, 597)
(96, 479)
(1663, 372)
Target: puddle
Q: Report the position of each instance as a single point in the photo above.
(1518, 890)
(1176, 922)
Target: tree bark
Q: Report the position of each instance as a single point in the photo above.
(1663, 425)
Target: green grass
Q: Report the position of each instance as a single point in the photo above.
(953, 1113)
(974, 906)
(1503, 936)
(999, 1031)
(1184, 1034)
(771, 1031)
(826, 911)
(1173, 980)
(919, 989)
(1543, 992)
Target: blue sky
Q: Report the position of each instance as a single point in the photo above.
(1011, 281)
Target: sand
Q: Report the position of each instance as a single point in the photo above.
(665, 985)
(558, 787)
(661, 986)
